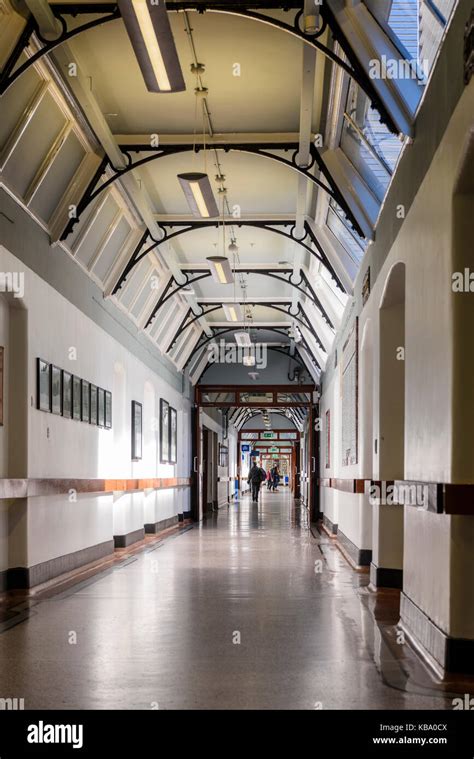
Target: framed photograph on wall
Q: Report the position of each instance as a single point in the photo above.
(43, 389)
(86, 402)
(223, 455)
(93, 397)
(67, 394)
(76, 398)
(137, 430)
(173, 446)
(164, 431)
(56, 390)
(100, 407)
(108, 409)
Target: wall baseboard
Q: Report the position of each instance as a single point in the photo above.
(330, 526)
(154, 527)
(123, 541)
(451, 654)
(20, 578)
(382, 577)
(360, 556)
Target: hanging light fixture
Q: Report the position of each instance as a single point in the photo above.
(198, 191)
(243, 339)
(233, 312)
(150, 33)
(221, 270)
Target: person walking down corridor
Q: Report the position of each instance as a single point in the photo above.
(255, 478)
(269, 479)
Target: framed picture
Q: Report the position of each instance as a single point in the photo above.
(108, 409)
(86, 403)
(173, 425)
(100, 407)
(93, 397)
(67, 394)
(43, 389)
(137, 425)
(56, 390)
(164, 431)
(76, 398)
(223, 455)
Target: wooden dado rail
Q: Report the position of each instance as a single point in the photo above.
(25, 488)
(439, 497)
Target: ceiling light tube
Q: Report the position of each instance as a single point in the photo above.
(233, 312)
(243, 339)
(198, 191)
(221, 270)
(149, 30)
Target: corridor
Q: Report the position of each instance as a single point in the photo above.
(249, 610)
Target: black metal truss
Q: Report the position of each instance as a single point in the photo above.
(217, 333)
(248, 10)
(171, 288)
(283, 307)
(353, 69)
(112, 174)
(188, 226)
(10, 74)
(285, 276)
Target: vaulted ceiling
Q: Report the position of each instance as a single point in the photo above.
(306, 146)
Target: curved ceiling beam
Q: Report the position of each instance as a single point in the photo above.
(281, 308)
(93, 191)
(355, 70)
(274, 348)
(221, 332)
(274, 273)
(191, 226)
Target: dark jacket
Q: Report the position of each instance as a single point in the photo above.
(256, 475)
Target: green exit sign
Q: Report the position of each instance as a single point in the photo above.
(274, 449)
(268, 435)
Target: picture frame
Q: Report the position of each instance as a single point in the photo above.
(223, 455)
(108, 410)
(173, 436)
(164, 431)
(76, 398)
(67, 394)
(85, 401)
(100, 407)
(43, 385)
(56, 390)
(137, 430)
(93, 403)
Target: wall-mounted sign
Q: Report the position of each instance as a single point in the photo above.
(255, 454)
(268, 435)
(245, 448)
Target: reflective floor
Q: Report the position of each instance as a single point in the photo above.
(249, 610)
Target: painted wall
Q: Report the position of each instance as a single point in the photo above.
(41, 528)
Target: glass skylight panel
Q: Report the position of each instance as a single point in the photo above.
(353, 244)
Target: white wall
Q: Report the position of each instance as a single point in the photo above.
(52, 526)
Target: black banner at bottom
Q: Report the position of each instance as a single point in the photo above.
(137, 733)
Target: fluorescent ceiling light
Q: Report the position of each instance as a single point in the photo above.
(233, 312)
(198, 191)
(150, 33)
(221, 270)
(248, 360)
(243, 339)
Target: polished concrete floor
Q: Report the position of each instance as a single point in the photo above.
(248, 610)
